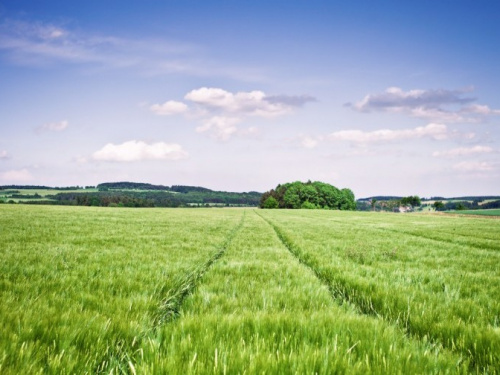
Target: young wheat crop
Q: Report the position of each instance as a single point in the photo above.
(101, 290)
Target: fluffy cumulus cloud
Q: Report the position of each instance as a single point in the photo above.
(291, 100)
(481, 110)
(16, 176)
(54, 126)
(434, 131)
(437, 105)
(220, 127)
(463, 151)
(139, 151)
(219, 111)
(170, 107)
(4, 155)
(252, 103)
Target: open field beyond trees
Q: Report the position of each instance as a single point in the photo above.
(492, 212)
(152, 291)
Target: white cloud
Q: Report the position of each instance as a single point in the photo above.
(137, 151)
(394, 98)
(463, 151)
(291, 100)
(16, 176)
(309, 142)
(36, 43)
(211, 97)
(481, 109)
(434, 131)
(252, 103)
(448, 106)
(436, 114)
(472, 166)
(43, 44)
(220, 111)
(4, 155)
(221, 128)
(170, 107)
(251, 132)
(54, 126)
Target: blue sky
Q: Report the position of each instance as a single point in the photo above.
(389, 97)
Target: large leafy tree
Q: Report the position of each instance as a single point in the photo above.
(412, 200)
(347, 200)
(328, 195)
(438, 206)
(270, 202)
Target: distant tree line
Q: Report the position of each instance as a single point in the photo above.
(189, 189)
(26, 196)
(152, 198)
(131, 194)
(478, 198)
(125, 185)
(130, 185)
(439, 203)
(388, 203)
(308, 195)
(42, 187)
(465, 205)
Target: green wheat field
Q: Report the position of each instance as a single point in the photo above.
(242, 291)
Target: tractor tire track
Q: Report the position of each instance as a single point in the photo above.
(338, 290)
(479, 358)
(491, 245)
(171, 304)
(484, 246)
(121, 357)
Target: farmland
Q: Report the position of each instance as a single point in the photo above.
(490, 212)
(100, 290)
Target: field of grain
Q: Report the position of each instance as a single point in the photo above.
(150, 291)
(26, 195)
(489, 212)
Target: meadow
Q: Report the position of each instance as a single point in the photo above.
(152, 291)
(34, 195)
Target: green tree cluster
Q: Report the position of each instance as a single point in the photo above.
(413, 200)
(438, 206)
(308, 195)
